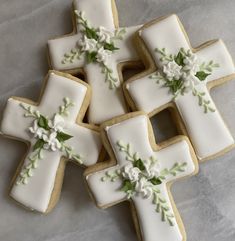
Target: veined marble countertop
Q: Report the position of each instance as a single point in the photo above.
(206, 202)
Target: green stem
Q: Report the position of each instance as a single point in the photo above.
(71, 56)
(27, 171)
(127, 149)
(112, 176)
(30, 112)
(63, 109)
(202, 101)
(164, 55)
(109, 77)
(70, 154)
(162, 207)
(176, 168)
(81, 20)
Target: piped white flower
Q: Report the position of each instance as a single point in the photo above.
(105, 35)
(172, 70)
(131, 173)
(57, 124)
(87, 45)
(36, 130)
(103, 55)
(144, 188)
(190, 81)
(152, 168)
(51, 142)
(191, 64)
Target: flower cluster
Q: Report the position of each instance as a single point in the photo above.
(182, 72)
(48, 131)
(49, 135)
(142, 177)
(97, 44)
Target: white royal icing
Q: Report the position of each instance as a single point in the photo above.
(37, 192)
(208, 132)
(135, 132)
(105, 103)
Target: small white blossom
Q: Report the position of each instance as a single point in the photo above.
(36, 130)
(190, 81)
(144, 188)
(103, 55)
(172, 70)
(51, 142)
(57, 124)
(131, 173)
(87, 45)
(152, 168)
(105, 35)
(192, 64)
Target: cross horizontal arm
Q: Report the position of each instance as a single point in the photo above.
(208, 132)
(59, 47)
(14, 122)
(86, 142)
(147, 95)
(106, 193)
(218, 52)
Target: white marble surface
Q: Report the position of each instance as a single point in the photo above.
(206, 202)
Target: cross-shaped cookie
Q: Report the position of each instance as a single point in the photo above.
(99, 49)
(141, 172)
(54, 133)
(180, 78)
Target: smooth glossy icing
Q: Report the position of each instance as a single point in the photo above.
(135, 131)
(37, 192)
(105, 103)
(207, 132)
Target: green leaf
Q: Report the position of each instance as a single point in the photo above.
(179, 59)
(110, 47)
(174, 85)
(156, 181)
(201, 75)
(39, 144)
(61, 136)
(139, 164)
(91, 57)
(91, 33)
(127, 186)
(43, 122)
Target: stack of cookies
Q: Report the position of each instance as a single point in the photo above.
(175, 77)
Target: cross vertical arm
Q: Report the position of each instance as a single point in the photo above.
(36, 194)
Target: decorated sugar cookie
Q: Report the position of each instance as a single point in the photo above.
(54, 132)
(141, 172)
(99, 49)
(180, 77)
